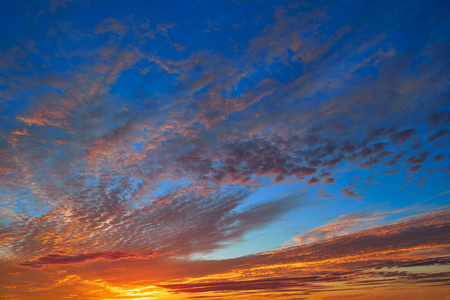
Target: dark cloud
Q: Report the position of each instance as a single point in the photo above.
(439, 157)
(418, 159)
(403, 136)
(313, 180)
(330, 180)
(260, 284)
(390, 172)
(56, 259)
(422, 181)
(369, 180)
(414, 168)
(441, 133)
(440, 118)
(349, 192)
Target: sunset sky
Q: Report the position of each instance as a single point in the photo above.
(224, 150)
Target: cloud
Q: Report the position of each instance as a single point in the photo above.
(422, 181)
(182, 223)
(376, 257)
(414, 168)
(418, 159)
(313, 180)
(111, 25)
(56, 5)
(369, 257)
(439, 118)
(57, 259)
(369, 180)
(322, 193)
(390, 172)
(403, 136)
(441, 133)
(343, 225)
(255, 285)
(439, 157)
(330, 180)
(349, 191)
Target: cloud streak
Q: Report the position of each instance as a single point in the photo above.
(56, 259)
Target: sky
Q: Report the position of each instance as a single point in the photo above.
(224, 149)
